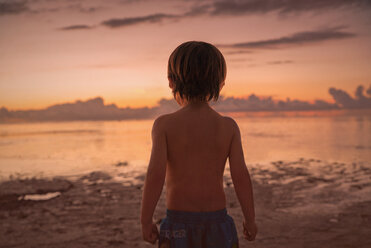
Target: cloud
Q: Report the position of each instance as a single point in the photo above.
(344, 100)
(10, 7)
(237, 52)
(123, 22)
(92, 109)
(82, 9)
(255, 103)
(296, 39)
(280, 62)
(231, 7)
(95, 109)
(197, 10)
(75, 27)
(13, 7)
(369, 91)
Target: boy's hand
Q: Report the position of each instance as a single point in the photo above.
(249, 230)
(150, 232)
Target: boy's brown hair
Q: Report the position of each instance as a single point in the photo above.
(197, 69)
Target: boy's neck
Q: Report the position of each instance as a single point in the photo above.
(196, 104)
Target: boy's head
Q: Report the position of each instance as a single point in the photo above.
(196, 71)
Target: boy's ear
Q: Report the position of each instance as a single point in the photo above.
(221, 85)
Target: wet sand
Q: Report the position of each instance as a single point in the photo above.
(304, 203)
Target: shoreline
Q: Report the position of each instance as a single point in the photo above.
(302, 203)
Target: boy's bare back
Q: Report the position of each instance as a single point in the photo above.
(198, 141)
(190, 148)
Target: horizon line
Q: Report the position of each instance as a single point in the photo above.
(157, 102)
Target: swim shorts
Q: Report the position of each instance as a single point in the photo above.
(198, 229)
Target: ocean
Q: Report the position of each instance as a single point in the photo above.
(72, 148)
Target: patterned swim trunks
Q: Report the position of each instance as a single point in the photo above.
(198, 229)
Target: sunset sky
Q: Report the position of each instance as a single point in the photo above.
(54, 51)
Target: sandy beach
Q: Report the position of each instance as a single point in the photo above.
(303, 203)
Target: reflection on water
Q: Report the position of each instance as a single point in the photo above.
(42, 149)
(4, 134)
(334, 138)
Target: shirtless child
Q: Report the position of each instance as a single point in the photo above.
(189, 151)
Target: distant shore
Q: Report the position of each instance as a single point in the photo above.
(304, 203)
(21, 117)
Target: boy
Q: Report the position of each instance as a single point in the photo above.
(189, 149)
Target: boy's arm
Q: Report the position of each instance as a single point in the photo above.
(240, 175)
(156, 172)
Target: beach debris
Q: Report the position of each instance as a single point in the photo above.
(15, 193)
(104, 192)
(77, 202)
(96, 176)
(140, 178)
(39, 197)
(279, 162)
(122, 163)
(127, 184)
(34, 186)
(115, 242)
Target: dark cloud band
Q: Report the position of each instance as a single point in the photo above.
(242, 7)
(122, 22)
(95, 109)
(76, 27)
(11, 8)
(231, 7)
(296, 39)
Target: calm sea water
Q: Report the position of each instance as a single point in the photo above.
(70, 148)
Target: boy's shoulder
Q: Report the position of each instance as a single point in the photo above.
(229, 120)
(232, 124)
(162, 121)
